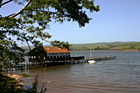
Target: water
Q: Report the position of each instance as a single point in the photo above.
(121, 75)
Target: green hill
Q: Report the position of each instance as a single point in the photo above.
(102, 46)
(132, 45)
(107, 46)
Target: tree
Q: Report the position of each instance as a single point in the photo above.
(22, 26)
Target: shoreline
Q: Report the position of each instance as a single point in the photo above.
(19, 83)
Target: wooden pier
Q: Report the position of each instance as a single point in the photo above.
(101, 58)
(73, 60)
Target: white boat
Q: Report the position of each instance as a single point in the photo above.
(91, 61)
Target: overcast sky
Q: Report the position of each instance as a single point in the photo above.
(117, 20)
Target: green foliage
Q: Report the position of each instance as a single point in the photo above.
(21, 25)
(61, 44)
(35, 86)
(8, 85)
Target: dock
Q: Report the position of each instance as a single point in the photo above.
(73, 60)
(101, 58)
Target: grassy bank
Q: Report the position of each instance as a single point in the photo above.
(11, 84)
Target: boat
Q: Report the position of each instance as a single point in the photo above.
(91, 61)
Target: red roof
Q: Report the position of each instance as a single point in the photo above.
(56, 50)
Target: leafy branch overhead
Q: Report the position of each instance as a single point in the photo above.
(62, 44)
(31, 22)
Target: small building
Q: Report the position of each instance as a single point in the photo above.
(42, 54)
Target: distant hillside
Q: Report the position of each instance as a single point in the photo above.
(102, 46)
(107, 46)
(132, 45)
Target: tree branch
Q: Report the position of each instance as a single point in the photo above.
(34, 34)
(5, 3)
(28, 45)
(15, 14)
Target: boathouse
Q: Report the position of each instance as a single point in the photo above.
(42, 54)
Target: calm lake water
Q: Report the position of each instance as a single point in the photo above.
(121, 75)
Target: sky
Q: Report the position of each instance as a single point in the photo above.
(117, 20)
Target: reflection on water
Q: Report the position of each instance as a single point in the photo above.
(121, 75)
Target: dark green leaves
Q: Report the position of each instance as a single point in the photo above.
(32, 22)
(62, 44)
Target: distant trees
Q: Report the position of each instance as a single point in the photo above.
(98, 48)
(21, 25)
